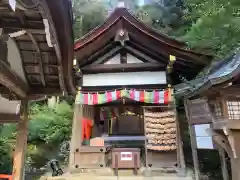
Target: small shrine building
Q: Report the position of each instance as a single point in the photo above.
(125, 114)
(213, 111)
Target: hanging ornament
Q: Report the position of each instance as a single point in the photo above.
(172, 58)
(121, 36)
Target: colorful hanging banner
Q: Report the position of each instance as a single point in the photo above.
(153, 97)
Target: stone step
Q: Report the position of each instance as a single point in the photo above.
(86, 177)
(108, 174)
(121, 172)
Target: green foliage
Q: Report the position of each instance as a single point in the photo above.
(51, 126)
(5, 157)
(165, 18)
(215, 26)
(87, 14)
(48, 128)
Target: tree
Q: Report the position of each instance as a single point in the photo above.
(87, 14)
(48, 129)
(215, 26)
(5, 157)
(164, 16)
(7, 141)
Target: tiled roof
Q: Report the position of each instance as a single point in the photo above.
(218, 73)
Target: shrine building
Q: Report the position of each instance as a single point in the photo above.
(125, 113)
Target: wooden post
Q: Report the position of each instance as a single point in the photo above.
(21, 144)
(180, 153)
(235, 164)
(182, 165)
(76, 139)
(148, 169)
(223, 163)
(193, 143)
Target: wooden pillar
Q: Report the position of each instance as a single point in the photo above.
(76, 139)
(233, 138)
(181, 160)
(235, 164)
(180, 153)
(222, 156)
(21, 144)
(193, 143)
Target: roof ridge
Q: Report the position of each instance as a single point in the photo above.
(138, 20)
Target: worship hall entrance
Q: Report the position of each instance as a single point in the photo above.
(127, 129)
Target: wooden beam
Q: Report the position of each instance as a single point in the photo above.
(4, 51)
(21, 144)
(39, 91)
(13, 23)
(28, 46)
(193, 142)
(102, 40)
(147, 51)
(46, 75)
(61, 49)
(105, 57)
(76, 138)
(12, 81)
(38, 59)
(222, 155)
(181, 159)
(38, 55)
(100, 68)
(123, 57)
(44, 64)
(182, 67)
(154, 51)
(59, 17)
(137, 53)
(9, 118)
(33, 31)
(108, 47)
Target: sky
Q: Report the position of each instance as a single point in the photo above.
(141, 2)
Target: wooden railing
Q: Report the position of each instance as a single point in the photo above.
(5, 177)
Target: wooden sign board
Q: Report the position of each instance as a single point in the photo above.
(199, 112)
(124, 79)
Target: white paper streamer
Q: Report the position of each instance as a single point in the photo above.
(18, 33)
(47, 31)
(12, 4)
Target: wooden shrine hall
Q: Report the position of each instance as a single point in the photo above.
(36, 53)
(125, 115)
(213, 111)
